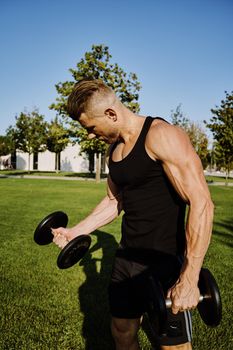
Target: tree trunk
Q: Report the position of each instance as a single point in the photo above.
(98, 167)
(227, 175)
(29, 163)
(57, 162)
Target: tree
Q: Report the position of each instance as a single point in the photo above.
(195, 132)
(29, 133)
(96, 64)
(178, 118)
(6, 146)
(57, 139)
(199, 141)
(221, 125)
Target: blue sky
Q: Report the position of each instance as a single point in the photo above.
(181, 51)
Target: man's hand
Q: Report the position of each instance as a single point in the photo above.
(63, 235)
(184, 295)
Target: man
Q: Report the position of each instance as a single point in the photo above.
(153, 172)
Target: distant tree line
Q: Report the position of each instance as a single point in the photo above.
(220, 155)
(32, 134)
(195, 132)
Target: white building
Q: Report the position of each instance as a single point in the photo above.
(70, 160)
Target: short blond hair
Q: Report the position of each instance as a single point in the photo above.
(79, 99)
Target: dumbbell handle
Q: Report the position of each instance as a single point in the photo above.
(168, 302)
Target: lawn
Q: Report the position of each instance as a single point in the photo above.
(69, 174)
(45, 308)
(37, 173)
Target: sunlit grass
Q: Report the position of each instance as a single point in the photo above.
(43, 307)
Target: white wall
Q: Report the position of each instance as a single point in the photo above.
(46, 161)
(22, 160)
(72, 161)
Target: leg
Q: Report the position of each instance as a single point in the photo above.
(124, 332)
(127, 302)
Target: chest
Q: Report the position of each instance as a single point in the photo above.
(122, 150)
(132, 167)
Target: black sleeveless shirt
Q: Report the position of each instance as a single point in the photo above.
(153, 211)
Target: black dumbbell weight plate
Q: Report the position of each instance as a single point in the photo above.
(210, 308)
(73, 251)
(43, 234)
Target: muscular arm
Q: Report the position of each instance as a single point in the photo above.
(105, 212)
(183, 167)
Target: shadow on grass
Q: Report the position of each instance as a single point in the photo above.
(93, 296)
(223, 236)
(5, 173)
(23, 172)
(12, 173)
(93, 293)
(85, 175)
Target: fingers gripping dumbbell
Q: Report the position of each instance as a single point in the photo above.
(73, 250)
(209, 306)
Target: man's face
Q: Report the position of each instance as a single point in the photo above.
(99, 127)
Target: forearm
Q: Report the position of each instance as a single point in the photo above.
(198, 234)
(105, 212)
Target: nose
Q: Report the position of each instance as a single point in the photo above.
(91, 136)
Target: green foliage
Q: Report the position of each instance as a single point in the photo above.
(6, 145)
(178, 118)
(96, 64)
(29, 132)
(221, 125)
(57, 136)
(199, 141)
(195, 132)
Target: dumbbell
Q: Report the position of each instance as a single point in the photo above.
(74, 251)
(209, 306)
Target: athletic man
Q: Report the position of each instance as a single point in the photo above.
(153, 173)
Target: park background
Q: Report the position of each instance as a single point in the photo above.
(182, 54)
(179, 50)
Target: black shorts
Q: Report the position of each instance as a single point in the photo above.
(129, 289)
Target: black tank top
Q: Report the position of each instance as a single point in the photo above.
(153, 211)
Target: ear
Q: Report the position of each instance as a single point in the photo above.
(111, 113)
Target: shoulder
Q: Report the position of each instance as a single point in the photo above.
(161, 126)
(165, 140)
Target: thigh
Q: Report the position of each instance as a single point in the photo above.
(127, 289)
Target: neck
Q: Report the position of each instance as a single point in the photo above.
(130, 127)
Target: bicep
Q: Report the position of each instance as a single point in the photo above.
(187, 177)
(182, 165)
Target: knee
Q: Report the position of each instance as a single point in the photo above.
(124, 332)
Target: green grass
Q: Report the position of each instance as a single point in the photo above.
(49, 173)
(85, 175)
(218, 179)
(45, 308)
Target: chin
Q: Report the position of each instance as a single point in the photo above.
(109, 139)
(112, 140)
